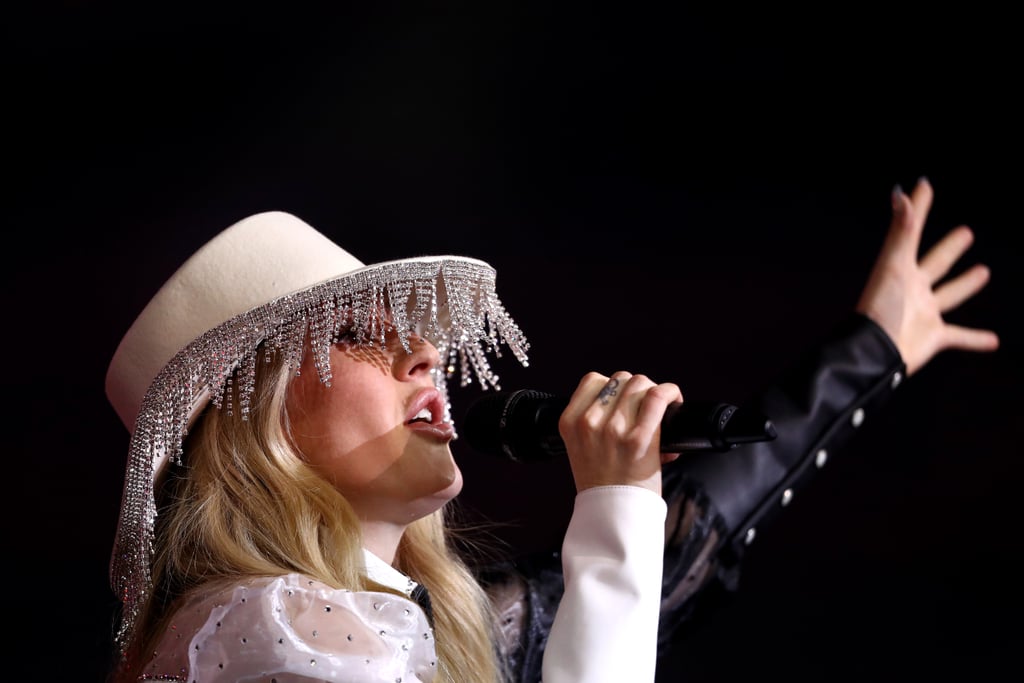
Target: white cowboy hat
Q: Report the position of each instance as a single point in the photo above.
(272, 279)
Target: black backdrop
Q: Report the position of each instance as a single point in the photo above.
(689, 193)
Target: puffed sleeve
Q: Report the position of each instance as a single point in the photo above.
(292, 629)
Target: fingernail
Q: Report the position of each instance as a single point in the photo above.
(923, 179)
(897, 197)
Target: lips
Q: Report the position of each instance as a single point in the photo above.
(426, 415)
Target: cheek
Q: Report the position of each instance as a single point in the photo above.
(354, 464)
(352, 431)
(350, 441)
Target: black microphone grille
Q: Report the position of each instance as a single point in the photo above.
(507, 423)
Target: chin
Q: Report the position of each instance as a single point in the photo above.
(429, 504)
(453, 487)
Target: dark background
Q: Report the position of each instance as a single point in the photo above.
(690, 193)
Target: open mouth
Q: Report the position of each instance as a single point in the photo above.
(423, 416)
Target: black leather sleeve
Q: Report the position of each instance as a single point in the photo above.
(816, 408)
(718, 503)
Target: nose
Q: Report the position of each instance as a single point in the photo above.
(423, 358)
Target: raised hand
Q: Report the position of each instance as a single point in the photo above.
(907, 296)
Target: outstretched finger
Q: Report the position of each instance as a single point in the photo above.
(904, 238)
(921, 204)
(951, 294)
(969, 339)
(938, 261)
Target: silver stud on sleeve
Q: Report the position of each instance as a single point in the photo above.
(858, 417)
(821, 458)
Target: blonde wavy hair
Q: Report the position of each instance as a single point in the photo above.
(245, 505)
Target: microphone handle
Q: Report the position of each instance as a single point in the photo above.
(696, 426)
(686, 427)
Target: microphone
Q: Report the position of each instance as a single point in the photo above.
(522, 426)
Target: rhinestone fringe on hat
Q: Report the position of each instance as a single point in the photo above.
(410, 291)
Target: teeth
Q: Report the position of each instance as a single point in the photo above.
(423, 415)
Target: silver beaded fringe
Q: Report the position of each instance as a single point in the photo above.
(476, 324)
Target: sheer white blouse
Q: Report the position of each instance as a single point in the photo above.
(293, 629)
